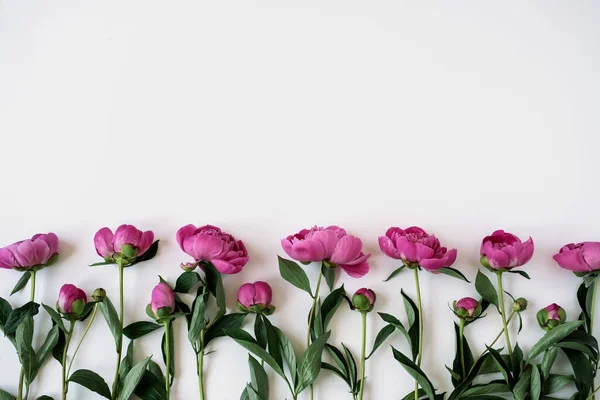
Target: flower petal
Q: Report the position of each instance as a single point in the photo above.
(184, 232)
(347, 249)
(387, 246)
(356, 271)
(572, 260)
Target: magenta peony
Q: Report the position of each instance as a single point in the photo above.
(581, 257)
(36, 253)
(502, 250)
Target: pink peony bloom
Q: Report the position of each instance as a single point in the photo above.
(468, 304)
(330, 244)
(257, 293)
(580, 257)
(210, 244)
(503, 250)
(127, 240)
(414, 245)
(35, 253)
(163, 300)
(71, 300)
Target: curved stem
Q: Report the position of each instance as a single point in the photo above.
(493, 343)
(65, 384)
(22, 374)
(82, 337)
(420, 308)
(503, 313)
(461, 329)
(115, 386)
(311, 316)
(363, 353)
(168, 357)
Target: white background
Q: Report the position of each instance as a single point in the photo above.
(264, 117)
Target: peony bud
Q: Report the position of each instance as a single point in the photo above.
(467, 308)
(520, 304)
(364, 300)
(255, 297)
(99, 295)
(124, 245)
(189, 266)
(162, 304)
(71, 301)
(551, 316)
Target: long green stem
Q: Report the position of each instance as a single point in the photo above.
(311, 315)
(592, 312)
(65, 384)
(22, 374)
(503, 313)
(168, 357)
(461, 339)
(493, 343)
(591, 396)
(200, 356)
(82, 338)
(363, 353)
(420, 308)
(115, 387)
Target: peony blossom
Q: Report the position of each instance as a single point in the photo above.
(256, 297)
(71, 300)
(162, 303)
(502, 250)
(210, 244)
(36, 253)
(415, 246)
(332, 245)
(581, 257)
(127, 241)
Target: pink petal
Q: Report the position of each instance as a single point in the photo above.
(356, 271)
(450, 257)
(328, 239)
(264, 293)
(591, 254)
(387, 246)
(347, 249)
(51, 239)
(7, 259)
(246, 294)
(527, 252)
(498, 259)
(41, 252)
(406, 248)
(126, 234)
(24, 253)
(206, 247)
(432, 264)
(225, 267)
(146, 240)
(184, 232)
(103, 241)
(572, 260)
(423, 251)
(416, 230)
(308, 250)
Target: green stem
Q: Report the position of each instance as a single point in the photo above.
(168, 357)
(363, 353)
(419, 307)
(22, 374)
(65, 384)
(311, 315)
(82, 337)
(115, 386)
(592, 312)
(503, 313)
(593, 393)
(493, 343)
(461, 329)
(200, 356)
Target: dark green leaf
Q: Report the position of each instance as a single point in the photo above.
(516, 363)
(412, 312)
(151, 387)
(294, 274)
(395, 273)
(18, 315)
(548, 361)
(535, 388)
(554, 383)
(154, 368)
(40, 398)
(330, 305)
(471, 375)
(502, 366)
(352, 370)
(87, 310)
(521, 388)
(171, 345)
(132, 379)
(5, 310)
(218, 328)
(274, 347)
(57, 351)
(336, 371)
(258, 378)
(112, 320)
(468, 356)
(198, 321)
(415, 372)
(339, 359)
(551, 337)
(584, 376)
(453, 272)
(101, 263)
(55, 317)
(22, 282)
(244, 339)
(139, 329)
(390, 319)
(287, 351)
(260, 331)
(23, 340)
(91, 381)
(383, 334)
(484, 287)
(126, 364)
(186, 282)
(45, 350)
(148, 255)
(486, 389)
(522, 273)
(329, 274)
(5, 395)
(578, 347)
(309, 365)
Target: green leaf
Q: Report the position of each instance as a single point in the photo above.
(484, 287)
(22, 282)
(516, 362)
(522, 273)
(502, 366)
(41, 398)
(395, 272)
(219, 327)
(55, 317)
(126, 364)
(412, 312)
(552, 337)
(101, 263)
(581, 368)
(132, 379)
(171, 345)
(330, 305)
(23, 340)
(112, 320)
(154, 368)
(579, 347)
(535, 387)
(91, 381)
(468, 356)
(287, 351)
(148, 255)
(548, 361)
(258, 378)
(274, 347)
(151, 387)
(383, 334)
(329, 274)
(18, 315)
(6, 396)
(486, 389)
(411, 394)
(471, 375)
(553, 383)
(186, 282)
(260, 332)
(139, 329)
(244, 339)
(352, 370)
(57, 351)
(416, 373)
(521, 388)
(309, 365)
(453, 272)
(198, 321)
(294, 274)
(5, 310)
(390, 319)
(336, 371)
(45, 349)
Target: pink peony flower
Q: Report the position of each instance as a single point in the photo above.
(256, 297)
(414, 246)
(330, 244)
(502, 250)
(210, 244)
(581, 257)
(127, 241)
(35, 253)
(468, 304)
(162, 303)
(71, 300)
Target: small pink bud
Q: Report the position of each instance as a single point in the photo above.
(364, 299)
(255, 297)
(551, 316)
(467, 308)
(163, 301)
(71, 301)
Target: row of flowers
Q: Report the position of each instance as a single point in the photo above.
(215, 253)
